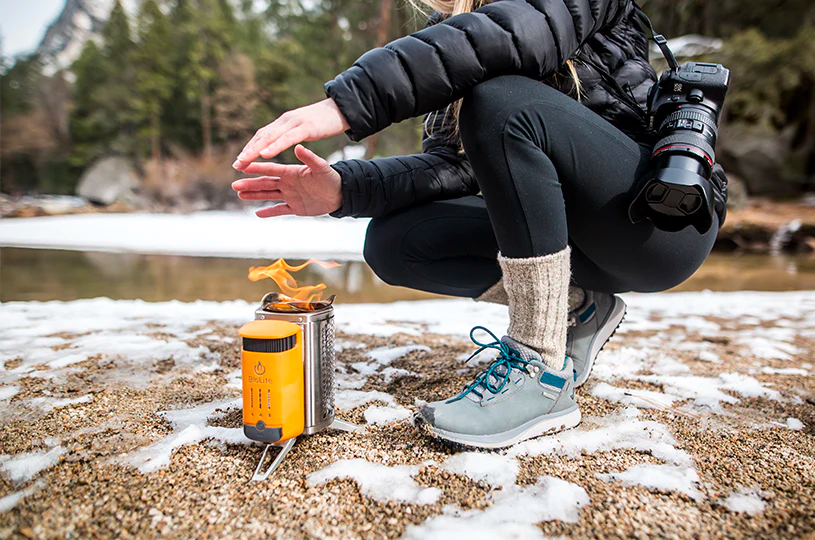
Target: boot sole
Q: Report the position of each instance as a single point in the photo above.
(607, 331)
(536, 428)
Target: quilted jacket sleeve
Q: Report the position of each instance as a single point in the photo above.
(433, 67)
(380, 186)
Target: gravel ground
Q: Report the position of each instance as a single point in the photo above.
(93, 490)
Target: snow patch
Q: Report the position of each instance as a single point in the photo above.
(708, 356)
(784, 371)
(383, 356)
(385, 415)
(772, 342)
(189, 427)
(622, 430)
(13, 499)
(203, 234)
(8, 392)
(391, 373)
(745, 501)
(633, 397)
(47, 404)
(515, 513)
(495, 469)
(379, 481)
(794, 423)
(343, 345)
(626, 362)
(23, 467)
(707, 391)
(659, 478)
(348, 399)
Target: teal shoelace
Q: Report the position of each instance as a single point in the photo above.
(507, 359)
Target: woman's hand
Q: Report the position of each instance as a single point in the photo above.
(312, 189)
(310, 123)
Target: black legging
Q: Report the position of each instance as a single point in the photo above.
(551, 172)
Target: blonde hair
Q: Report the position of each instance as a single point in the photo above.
(457, 7)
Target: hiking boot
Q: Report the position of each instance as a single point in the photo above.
(517, 397)
(594, 324)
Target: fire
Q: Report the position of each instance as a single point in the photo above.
(280, 271)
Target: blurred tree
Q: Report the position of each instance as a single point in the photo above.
(773, 90)
(34, 126)
(236, 98)
(117, 95)
(205, 31)
(153, 76)
(725, 18)
(328, 36)
(103, 120)
(213, 71)
(17, 83)
(88, 123)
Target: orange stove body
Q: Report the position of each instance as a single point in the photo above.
(273, 380)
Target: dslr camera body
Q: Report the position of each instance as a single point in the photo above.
(683, 110)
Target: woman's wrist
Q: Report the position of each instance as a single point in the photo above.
(331, 105)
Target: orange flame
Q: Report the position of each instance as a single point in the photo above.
(280, 272)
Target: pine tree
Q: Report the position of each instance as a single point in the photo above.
(117, 93)
(236, 98)
(153, 80)
(89, 126)
(205, 31)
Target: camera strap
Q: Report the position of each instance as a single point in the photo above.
(659, 39)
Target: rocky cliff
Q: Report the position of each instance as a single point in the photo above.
(79, 21)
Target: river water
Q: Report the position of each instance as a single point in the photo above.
(41, 274)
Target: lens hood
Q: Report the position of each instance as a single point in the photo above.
(673, 198)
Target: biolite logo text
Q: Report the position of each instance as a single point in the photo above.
(259, 369)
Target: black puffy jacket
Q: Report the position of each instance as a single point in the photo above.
(427, 70)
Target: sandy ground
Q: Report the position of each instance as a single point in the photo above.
(91, 478)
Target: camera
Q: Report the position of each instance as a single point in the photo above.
(683, 109)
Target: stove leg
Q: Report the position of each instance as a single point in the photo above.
(284, 449)
(342, 425)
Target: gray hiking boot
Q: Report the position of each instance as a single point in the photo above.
(517, 397)
(595, 322)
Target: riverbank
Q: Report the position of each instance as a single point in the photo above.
(122, 418)
(766, 226)
(763, 226)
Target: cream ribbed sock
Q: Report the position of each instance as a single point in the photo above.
(538, 292)
(497, 294)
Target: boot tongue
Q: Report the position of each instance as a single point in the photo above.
(523, 351)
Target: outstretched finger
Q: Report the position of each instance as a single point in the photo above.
(263, 138)
(310, 159)
(271, 195)
(281, 209)
(269, 168)
(261, 183)
(284, 141)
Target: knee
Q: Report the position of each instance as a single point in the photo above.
(382, 249)
(503, 95)
(504, 104)
(486, 99)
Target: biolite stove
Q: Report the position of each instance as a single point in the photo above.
(287, 373)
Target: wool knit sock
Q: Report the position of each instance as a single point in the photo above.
(538, 292)
(497, 294)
